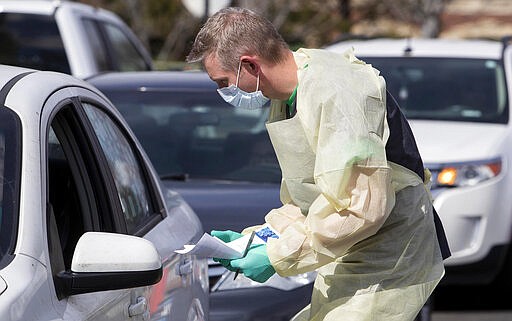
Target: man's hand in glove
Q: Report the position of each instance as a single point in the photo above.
(255, 265)
(226, 236)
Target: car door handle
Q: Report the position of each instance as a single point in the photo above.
(139, 308)
(185, 267)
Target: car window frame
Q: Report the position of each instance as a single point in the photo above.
(100, 26)
(16, 195)
(10, 218)
(83, 162)
(93, 161)
(77, 151)
(155, 201)
(92, 26)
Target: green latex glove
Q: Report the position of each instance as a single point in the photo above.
(226, 236)
(255, 265)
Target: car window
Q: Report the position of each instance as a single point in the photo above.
(125, 167)
(10, 163)
(98, 49)
(124, 53)
(2, 172)
(454, 89)
(32, 41)
(63, 197)
(193, 131)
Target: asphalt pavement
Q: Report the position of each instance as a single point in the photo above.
(473, 303)
(472, 316)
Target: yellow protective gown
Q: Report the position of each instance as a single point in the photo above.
(365, 223)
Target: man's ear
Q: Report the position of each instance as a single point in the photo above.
(250, 64)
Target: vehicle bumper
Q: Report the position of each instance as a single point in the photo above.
(476, 220)
(258, 304)
(477, 273)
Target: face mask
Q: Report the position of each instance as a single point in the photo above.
(239, 98)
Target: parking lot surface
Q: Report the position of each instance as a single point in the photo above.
(472, 316)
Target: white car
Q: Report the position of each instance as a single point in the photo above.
(87, 231)
(456, 95)
(68, 37)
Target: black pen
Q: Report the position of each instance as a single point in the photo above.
(246, 251)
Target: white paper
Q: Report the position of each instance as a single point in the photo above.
(210, 246)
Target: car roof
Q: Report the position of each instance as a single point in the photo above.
(41, 83)
(156, 80)
(48, 7)
(415, 47)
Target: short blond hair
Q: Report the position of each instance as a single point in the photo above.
(233, 32)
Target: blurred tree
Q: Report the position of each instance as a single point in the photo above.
(426, 13)
(309, 23)
(156, 22)
(168, 29)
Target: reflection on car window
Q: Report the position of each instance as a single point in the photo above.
(2, 161)
(446, 88)
(32, 41)
(197, 133)
(127, 172)
(98, 49)
(125, 54)
(10, 163)
(63, 196)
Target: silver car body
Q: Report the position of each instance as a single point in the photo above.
(27, 283)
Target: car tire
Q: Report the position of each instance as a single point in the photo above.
(504, 278)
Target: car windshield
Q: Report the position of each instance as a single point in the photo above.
(32, 41)
(194, 132)
(9, 179)
(453, 89)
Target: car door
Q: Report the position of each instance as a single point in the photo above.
(181, 294)
(144, 214)
(88, 191)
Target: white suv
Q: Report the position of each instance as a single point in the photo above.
(68, 37)
(455, 94)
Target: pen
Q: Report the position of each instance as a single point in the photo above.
(245, 251)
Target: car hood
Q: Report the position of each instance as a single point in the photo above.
(445, 142)
(227, 205)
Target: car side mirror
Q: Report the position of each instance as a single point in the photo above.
(110, 261)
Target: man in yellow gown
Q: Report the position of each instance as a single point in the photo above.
(356, 200)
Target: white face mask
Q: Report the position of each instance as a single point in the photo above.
(239, 98)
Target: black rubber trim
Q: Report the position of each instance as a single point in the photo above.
(477, 273)
(86, 282)
(5, 89)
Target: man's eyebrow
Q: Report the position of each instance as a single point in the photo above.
(218, 78)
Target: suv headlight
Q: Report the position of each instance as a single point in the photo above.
(226, 282)
(465, 173)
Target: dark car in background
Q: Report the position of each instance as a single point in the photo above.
(221, 161)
